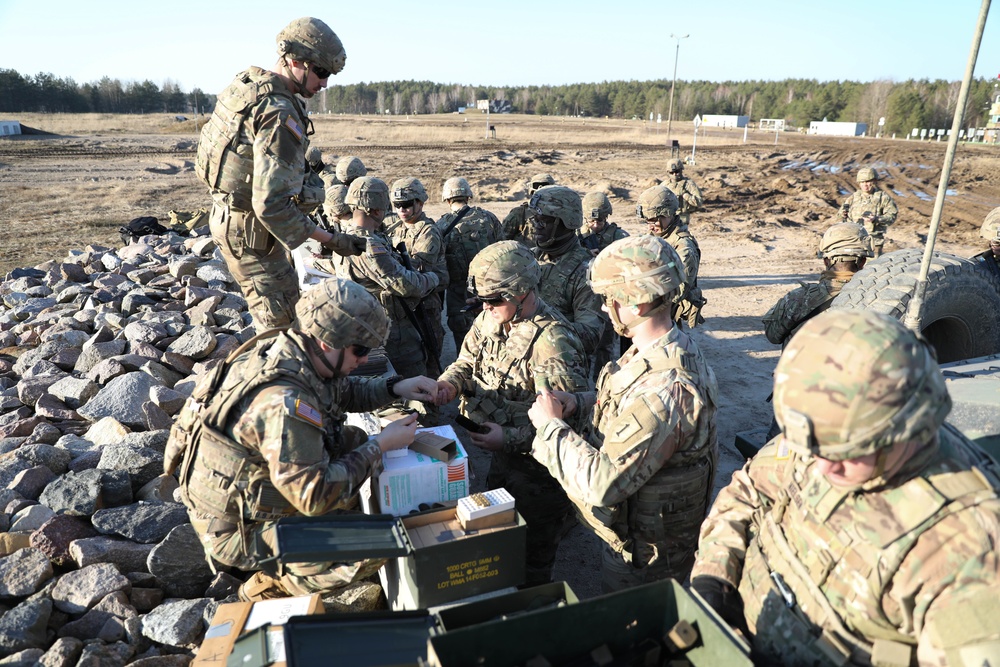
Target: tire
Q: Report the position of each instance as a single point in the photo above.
(960, 316)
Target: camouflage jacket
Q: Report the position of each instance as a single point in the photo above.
(878, 203)
(563, 285)
(517, 227)
(595, 242)
(497, 372)
(689, 197)
(477, 229)
(251, 154)
(642, 478)
(795, 308)
(910, 559)
(987, 261)
(423, 243)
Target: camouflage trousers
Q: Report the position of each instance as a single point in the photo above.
(618, 573)
(542, 502)
(265, 275)
(458, 322)
(225, 543)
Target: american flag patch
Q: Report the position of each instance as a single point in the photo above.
(376, 248)
(308, 413)
(294, 127)
(783, 451)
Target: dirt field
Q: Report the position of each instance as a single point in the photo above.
(767, 206)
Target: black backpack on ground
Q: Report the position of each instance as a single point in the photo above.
(147, 224)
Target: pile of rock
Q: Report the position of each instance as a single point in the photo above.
(98, 352)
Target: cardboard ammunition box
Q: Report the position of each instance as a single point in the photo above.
(236, 618)
(415, 479)
(529, 600)
(627, 627)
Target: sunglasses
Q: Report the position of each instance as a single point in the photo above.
(403, 204)
(320, 72)
(540, 220)
(360, 350)
(492, 300)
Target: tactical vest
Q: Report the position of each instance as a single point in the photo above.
(810, 605)
(462, 243)
(600, 240)
(225, 158)
(560, 276)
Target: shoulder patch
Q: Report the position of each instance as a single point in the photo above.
(782, 451)
(376, 247)
(308, 413)
(293, 127)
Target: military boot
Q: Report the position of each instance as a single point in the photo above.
(262, 586)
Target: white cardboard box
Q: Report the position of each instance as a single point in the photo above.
(411, 480)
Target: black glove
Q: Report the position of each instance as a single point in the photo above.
(346, 244)
(723, 598)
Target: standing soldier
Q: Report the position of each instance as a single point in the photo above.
(516, 346)
(517, 226)
(556, 214)
(866, 534)
(252, 157)
(989, 259)
(658, 207)
(689, 199)
(642, 476)
(263, 437)
(870, 207)
(380, 271)
(466, 230)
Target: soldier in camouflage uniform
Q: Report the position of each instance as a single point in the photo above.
(870, 207)
(990, 231)
(466, 230)
(263, 437)
(689, 199)
(556, 214)
(338, 213)
(517, 225)
(658, 207)
(844, 248)
(380, 270)
(642, 477)
(517, 346)
(252, 157)
(866, 534)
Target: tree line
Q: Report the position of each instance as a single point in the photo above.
(904, 105)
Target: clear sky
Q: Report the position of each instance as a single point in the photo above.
(204, 43)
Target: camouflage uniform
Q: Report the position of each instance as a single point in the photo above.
(861, 573)
(595, 206)
(689, 198)
(595, 242)
(516, 226)
(793, 309)
(876, 211)
(642, 478)
(990, 230)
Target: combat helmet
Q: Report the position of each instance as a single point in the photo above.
(845, 239)
(596, 205)
(342, 313)
(539, 181)
(313, 41)
(314, 158)
(368, 193)
(350, 168)
(456, 188)
(867, 174)
(408, 188)
(559, 202)
(637, 269)
(991, 226)
(505, 268)
(335, 206)
(675, 165)
(656, 202)
(854, 382)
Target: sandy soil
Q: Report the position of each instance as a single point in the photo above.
(766, 207)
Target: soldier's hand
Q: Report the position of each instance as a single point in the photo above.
(547, 406)
(398, 434)
(346, 244)
(492, 440)
(723, 598)
(446, 392)
(417, 388)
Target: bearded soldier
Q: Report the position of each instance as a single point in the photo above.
(689, 198)
(252, 157)
(515, 347)
(263, 437)
(865, 534)
(870, 207)
(641, 478)
(517, 225)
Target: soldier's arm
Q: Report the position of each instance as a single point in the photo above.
(428, 253)
(287, 426)
(511, 225)
(363, 394)
(845, 208)
(383, 267)
(693, 196)
(459, 372)
(588, 318)
(887, 210)
(780, 321)
(277, 173)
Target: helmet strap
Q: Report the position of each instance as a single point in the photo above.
(627, 330)
(317, 351)
(300, 84)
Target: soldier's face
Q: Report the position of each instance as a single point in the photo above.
(544, 228)
(995, 248)
(868, 187)
(655, 226)
(850, 472)
(408, 211)
(677, 175)
(597, 224)
(500, 309)
(352, 359)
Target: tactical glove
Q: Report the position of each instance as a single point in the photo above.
(346, 244)
(723, 598)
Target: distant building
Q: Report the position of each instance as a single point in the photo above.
(9, 127)
(776, 124)
(494, 106)
(992, 133)
(720, 120)
(838, 129)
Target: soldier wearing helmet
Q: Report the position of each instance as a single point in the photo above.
(517, 225)
(251, 155)
(349, 168)
(870, 207)
(466, 230)
(338, 213)
(658, 208)
(990, 231)
(689, 198)
(556, 214)
(516, 346)
(641, 475)
(382, 271)
(263, 437)
(866, 533)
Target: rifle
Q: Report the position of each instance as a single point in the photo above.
(420, 318)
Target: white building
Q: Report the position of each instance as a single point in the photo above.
(838, 129)
(776, 124)
(719, 120)
(9, 127)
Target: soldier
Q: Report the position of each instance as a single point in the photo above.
(642, 477)
(599, 233)
(516, 346)
(867, 533)
(870, 207)
(338, 213)
(380, 271)
(517, 226)
(556, 214)
(990, 259)
(466, 230)
(658, 207)
(252, 157)
(263, 437)
(350, 168)
(689, 199)
(844, 249)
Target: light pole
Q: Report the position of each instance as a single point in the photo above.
(677, 52)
